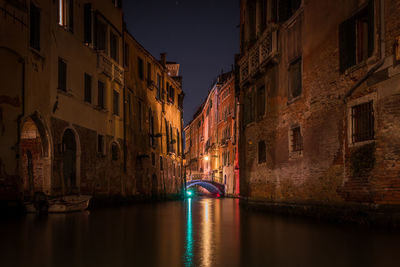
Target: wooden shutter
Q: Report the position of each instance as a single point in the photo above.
(347, 44)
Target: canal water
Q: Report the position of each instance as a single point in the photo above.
(194, 232)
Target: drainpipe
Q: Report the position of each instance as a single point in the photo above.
(382, 56)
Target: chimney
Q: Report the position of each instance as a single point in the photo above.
(163, 59)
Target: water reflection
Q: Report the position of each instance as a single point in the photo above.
(194, 232)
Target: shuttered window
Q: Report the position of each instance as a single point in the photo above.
(362, 118)
(262, 152)
(140, 68)
(295, 79)
(114, 46)
(115, 103)
(297, 139)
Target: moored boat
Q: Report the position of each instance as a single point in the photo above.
(60, 205)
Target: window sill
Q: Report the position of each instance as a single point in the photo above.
(362, 143)
(66, 93)
(292, 100)
(294, 155)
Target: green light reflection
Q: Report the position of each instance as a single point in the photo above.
(189, 236)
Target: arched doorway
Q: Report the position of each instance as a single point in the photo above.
(34, 159)
(69, 163)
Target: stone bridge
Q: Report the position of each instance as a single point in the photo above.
(211, 186)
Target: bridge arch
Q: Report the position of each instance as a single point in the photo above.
(210, 186)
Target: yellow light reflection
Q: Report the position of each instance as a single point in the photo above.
(206, 235)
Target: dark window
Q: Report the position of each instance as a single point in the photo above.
(287, 8)
(88, 88)
(140, 68)
(263, 11)
(114, 151)
(100, 144)
(158, 95)
(362, 119)
(62, 74)
(151, 128)
(262, 153)
(140, 115)
(34, 27)
(167, 136)
(161, 163)
(115, 103)
(149, 71)
(261, 101)
(114, 46)
(177, 143)
(297, 140)
(126, 55)
(100, 94)
(249, 107)
(129, 106)
(356, 37)
(153, 158)
(87, 23)
(295, 79)
(101, 35)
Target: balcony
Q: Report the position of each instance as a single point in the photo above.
(264, 50)
(106, 65)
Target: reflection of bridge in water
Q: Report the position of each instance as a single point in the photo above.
(210, 186)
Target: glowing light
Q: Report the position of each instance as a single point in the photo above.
(206, 158)
(189, 193)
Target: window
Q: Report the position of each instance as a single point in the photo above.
(295, 79)
(140, 68)
(126, 55)
(171, 93)
(101, 35)
(87, 23)
(177, 143)
(149, 71)
(114, 151)
(88, 88)
(34, 31)
(262, 153)
(297, 139)
(140, 121)
(153, 159)
(356, 37)
(100, 94)
(287, 8)
(249, 108)
(117, 3)
(362, 120)
(62, 74)
(114, 46)
(161, 163)
(115, 103)
(167, 136)
(260, 101)
(129, 106)
(66, 14)
(158, 95)
(100, 144)
(151, 128)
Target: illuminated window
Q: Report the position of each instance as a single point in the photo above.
(66, 14)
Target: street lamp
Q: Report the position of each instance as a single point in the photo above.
(206, 158)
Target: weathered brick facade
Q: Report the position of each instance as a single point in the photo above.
(326, 164)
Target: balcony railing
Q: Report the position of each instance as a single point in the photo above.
(112, 70)
(258, 55)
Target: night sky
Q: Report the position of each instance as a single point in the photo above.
(201, 35)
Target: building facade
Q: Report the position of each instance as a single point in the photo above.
(154, 119)
(319, 101)
(211, 145)
(67, 126)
